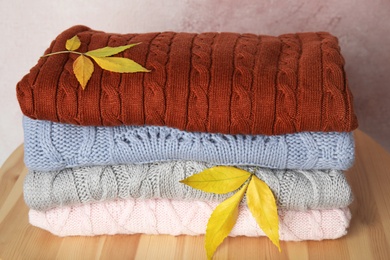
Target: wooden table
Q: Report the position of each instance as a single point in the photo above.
(368, 236)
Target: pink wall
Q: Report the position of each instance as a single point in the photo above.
(363, 28)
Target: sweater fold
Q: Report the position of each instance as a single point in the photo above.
(55, 146)
(226, 83)
(175, 217)
(293, 189)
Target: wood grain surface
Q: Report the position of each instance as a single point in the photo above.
(368, 236)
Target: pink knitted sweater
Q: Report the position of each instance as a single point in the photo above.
(174, 217)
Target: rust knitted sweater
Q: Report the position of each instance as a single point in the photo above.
(209, 82)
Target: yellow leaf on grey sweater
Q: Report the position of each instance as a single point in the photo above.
(222, 221)
(218, 179)
(262, 205)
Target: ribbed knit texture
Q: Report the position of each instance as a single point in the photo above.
(54, 146)
(176, 217)
(210, 82)
(297, 190)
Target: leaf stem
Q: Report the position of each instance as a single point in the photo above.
(60, 52)
(253, 172)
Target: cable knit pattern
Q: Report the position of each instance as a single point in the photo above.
(198, 103)
(54, 146)
(287, 83)
(297, 190)
(335, 95)
(175, 217)
(110, 104)
(132, 90)
(235, 83)
(241, 100)
(154, 83)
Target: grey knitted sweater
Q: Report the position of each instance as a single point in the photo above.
(294, 189)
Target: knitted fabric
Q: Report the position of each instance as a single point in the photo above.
(297, 190)
(210, 82)
(54, 146)
(174, 217)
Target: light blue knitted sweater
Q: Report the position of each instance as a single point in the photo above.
(55, 146)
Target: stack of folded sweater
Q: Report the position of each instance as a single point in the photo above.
(108, 159)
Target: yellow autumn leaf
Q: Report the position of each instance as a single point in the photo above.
(108, 51)
(83, 69)
(118, 64)
(261, 203)
(222, 221)
(219, 179)
(73, 43)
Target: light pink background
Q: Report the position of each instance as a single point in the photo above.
(363, 27)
